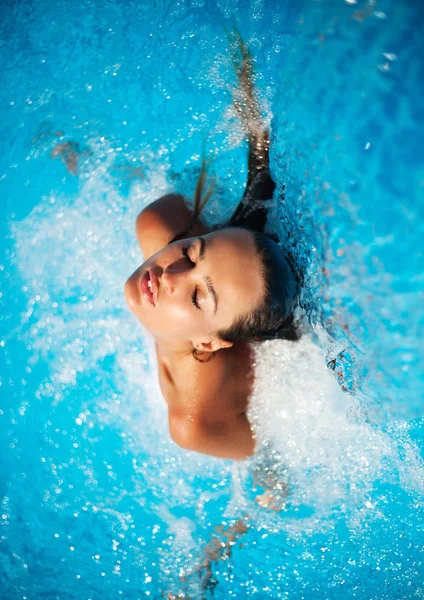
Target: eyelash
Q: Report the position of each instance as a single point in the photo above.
(193, 264)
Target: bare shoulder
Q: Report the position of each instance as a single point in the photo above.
(207, 403)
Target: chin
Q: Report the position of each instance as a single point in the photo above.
(132, 294)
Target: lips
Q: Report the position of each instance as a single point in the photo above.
(149, 287)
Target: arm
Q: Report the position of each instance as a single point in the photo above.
(162, 220)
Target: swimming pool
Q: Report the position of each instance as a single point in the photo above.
(97, 502)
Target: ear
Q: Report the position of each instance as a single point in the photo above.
(214, 344)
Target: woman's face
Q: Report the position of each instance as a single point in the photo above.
(194, 287)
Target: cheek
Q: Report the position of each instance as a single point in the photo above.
(176, 319)
(180, 322)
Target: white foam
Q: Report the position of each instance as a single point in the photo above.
(74, 255)
(304, 431)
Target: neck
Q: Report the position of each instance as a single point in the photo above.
(174, 349)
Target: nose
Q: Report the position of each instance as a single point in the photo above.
(175, 276)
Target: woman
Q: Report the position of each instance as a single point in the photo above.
(204, 295)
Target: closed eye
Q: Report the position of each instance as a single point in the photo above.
(193, 264)
(194, 298)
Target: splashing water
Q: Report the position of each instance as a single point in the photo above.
(96, 499)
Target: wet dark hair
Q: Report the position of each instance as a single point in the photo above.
(273, 318)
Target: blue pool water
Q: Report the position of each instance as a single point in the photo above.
(97, 502)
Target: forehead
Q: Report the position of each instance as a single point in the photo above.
(235, 270)
(238, 241)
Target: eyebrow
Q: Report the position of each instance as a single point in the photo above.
(208, 280)
(212, 292)
(202, 247)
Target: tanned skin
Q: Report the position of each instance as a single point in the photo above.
(207, 401)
